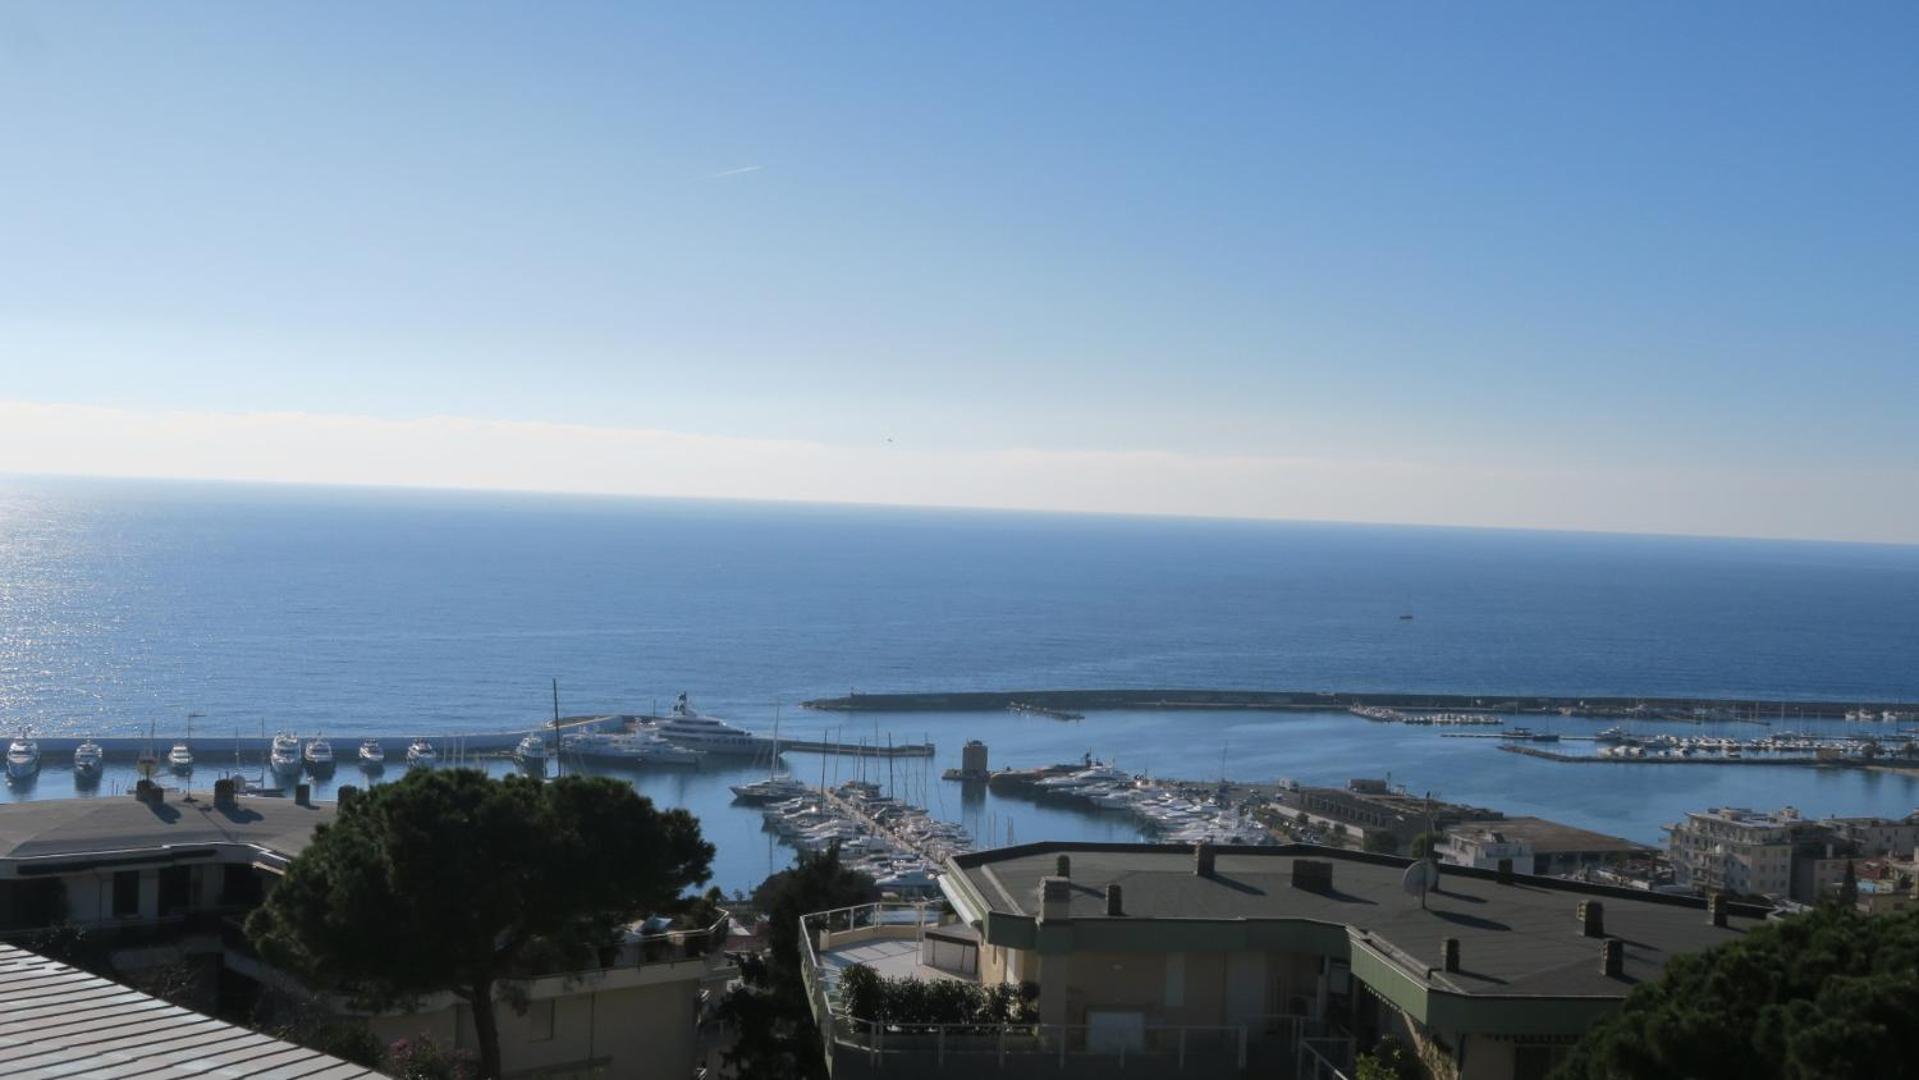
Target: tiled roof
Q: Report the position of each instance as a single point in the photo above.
(60, 1022)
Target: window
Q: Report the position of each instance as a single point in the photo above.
(539, 1021)
(126, 894)
(1536, 1062)
(176, 889)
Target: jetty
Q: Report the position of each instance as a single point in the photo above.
(1834, 761)
(1683, 709)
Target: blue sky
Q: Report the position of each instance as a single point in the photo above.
(1627, 248)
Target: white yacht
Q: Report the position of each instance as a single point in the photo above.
(628, 748)
(372, 755)
(180, 758)
(23, 757)
(532, 750)
(420, 755)
(89, 761)
(319, 755)
(284, 755)
(686, 728)
(771, 789)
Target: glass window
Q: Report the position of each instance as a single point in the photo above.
(126, 894)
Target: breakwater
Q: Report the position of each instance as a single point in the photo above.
(1595, 759)
(1317, 700)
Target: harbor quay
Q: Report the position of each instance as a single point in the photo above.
(1070, 704)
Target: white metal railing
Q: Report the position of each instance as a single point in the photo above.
(1023, 1045)
(1324, 1057)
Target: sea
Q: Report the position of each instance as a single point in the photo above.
(126, 605)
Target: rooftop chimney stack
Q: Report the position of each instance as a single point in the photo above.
(1203, 859)
(1612, 958)
(223, 794)
(1055, 899)
(1505, 871)
(1716, 909)
(1451, 953)
(143, 790)
(1313, 875)
(1063, 866)
(1592, 918)
(345, 794)
(303, 794)
(1114, 906)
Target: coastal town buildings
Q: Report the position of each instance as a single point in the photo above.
(1536, 846)
(1780, 854)
(1372, 810)
(162, 887)
(1252, 961)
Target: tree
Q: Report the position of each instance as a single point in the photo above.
(453, 881)
(1424, 843)
(1828, 993)
(777, 1036)
(1381, 843)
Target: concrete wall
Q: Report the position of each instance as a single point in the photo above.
(644, 1031)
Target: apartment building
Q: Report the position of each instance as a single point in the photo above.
(165, 886)
(1256, 961)
(1779, 854)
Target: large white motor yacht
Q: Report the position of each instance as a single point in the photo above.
(89, 760)
(319, 755)
(180, 758)
(771, 789)
(532, 750)
(284, 755)
(421, 755)
(23, 757)
(372, 755)
(687, 728)
(628, 748)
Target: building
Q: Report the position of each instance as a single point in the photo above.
(61, 1021)
(165, 886)
(1536, 846)
(1372, 810)
(1779, 854)
(1257, 961)
(1735, 850)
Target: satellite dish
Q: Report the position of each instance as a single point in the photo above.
(1420, 878)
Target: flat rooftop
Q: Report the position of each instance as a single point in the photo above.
(59, 1021)
(1554, 838)
(122, 823)
(1518, 939)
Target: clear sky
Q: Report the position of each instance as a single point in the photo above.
(1618, 266)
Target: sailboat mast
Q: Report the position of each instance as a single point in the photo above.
(558, 765)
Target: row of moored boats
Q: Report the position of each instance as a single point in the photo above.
(1182, 814)
(898, 845)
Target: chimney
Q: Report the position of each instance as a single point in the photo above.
(1203, 859)
(1313, 875)
(1055, 897)
(1113, 905)
(223, 794)
(303, 794)
(1064, 866)
(1505, 871)
(1612, 958)
(1450, 950)
(143, 790)
(1592, 918)
(345, 794)
(1716, 909)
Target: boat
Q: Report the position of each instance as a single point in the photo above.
(420, 755)
(531, 750)
(23, 757)
(372, 755)
(319, 755)
(627, 748)
(283, 756)
(771, 789)
(89, 760)
(180, 758)
(684, 727)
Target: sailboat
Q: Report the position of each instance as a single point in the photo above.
(775, 788)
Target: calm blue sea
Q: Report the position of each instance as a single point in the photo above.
(348, 611)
